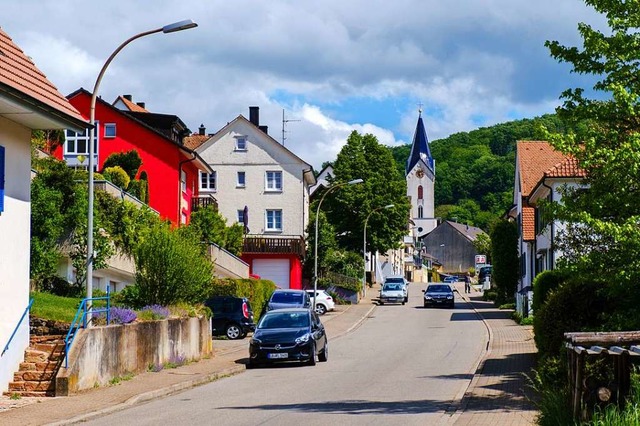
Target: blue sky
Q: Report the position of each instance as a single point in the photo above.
(336, 66)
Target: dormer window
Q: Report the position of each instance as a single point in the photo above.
(241, 143)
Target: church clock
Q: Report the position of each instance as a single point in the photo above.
(420, 173)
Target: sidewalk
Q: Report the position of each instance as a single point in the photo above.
(498, 393)
(228, 359)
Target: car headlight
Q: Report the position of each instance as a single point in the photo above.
(255, 341)
(450, 297)
(304, 338)
(428, 297)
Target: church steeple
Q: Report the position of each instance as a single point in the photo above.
(420, 147)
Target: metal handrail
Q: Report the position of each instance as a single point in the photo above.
(82, 321)
(15, 330)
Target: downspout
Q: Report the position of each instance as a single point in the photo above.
(553, 231)
(180, 185)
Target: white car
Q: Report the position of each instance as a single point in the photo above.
(324, 302)
(399, 279)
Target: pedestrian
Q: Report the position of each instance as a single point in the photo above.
(467, 283)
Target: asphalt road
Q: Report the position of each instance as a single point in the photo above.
(404, 365)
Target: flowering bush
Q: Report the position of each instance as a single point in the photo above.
(122, 316)
(153, 312)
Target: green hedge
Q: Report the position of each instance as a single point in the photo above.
(545, 282)
(257, 291)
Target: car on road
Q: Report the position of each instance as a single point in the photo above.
(399, 279)
(282, 299)
(324, 301)
(286, 335)
(450, 279)
(392, 292)
(231, 316)
(439, 295)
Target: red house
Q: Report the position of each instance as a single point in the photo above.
(170, 168)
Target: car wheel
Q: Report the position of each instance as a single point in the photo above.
(381, 302)
(324, 355)
(251, 365)
(312, 360)
(425, 305)
(403, 303)
(233, 331)
(321, 309)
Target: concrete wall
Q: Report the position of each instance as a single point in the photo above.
(99, 354)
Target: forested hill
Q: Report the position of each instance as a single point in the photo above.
(475, 170)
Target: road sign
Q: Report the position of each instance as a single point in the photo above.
(481, 259)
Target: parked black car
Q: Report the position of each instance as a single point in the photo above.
(439, 295)
(288, 335)
(232, 316)
(284, 298)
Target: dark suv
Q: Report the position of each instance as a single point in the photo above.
(232, 316)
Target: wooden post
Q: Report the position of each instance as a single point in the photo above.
(577, 391)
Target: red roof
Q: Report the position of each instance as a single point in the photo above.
(534, 159)
(528, 224)
(195, 140)
(132, 106)
(18, 72)
(566, 168)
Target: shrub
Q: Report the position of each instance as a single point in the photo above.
(153, 312)
(489, 295)
(117, 176)
(129, 161)
(128, 297)
(121, 316)
(508, 306)
(138, 188)
(549, 382)
(257, 291)
(545, 282)
(186, 310)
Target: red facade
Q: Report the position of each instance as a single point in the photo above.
(162, 158)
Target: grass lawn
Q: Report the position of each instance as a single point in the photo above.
(58, 308)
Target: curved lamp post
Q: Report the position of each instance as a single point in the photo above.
(364, 247)
(171, 28)
(315, 243)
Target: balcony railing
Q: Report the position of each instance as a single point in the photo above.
(203, 202)
(274, 244)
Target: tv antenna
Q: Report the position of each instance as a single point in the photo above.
(285, 121)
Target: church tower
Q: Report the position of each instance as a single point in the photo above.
(421, 177)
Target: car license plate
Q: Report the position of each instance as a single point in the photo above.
(278, 355)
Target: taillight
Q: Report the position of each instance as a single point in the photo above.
(245, 310)
(329, 298)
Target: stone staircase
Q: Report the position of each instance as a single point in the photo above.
(37, 374)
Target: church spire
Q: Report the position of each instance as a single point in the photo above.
(420, 147)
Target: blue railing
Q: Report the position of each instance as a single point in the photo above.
(15, 330)
(81, 320)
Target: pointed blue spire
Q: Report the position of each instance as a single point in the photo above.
(420, 147)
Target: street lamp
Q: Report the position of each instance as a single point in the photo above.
(364, 247)
(171, 28)
(315, 243)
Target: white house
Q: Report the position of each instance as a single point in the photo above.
(28, 101)
(261, 184)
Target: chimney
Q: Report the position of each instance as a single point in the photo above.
(202, 130)
(254, 115)
(140, 104)
(128, 97)
(265, 129)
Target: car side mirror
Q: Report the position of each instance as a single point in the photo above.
(423, 291)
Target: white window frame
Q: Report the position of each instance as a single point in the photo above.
(208, 185)
(242, 184)
(271, 217)
(183, 181)
(107, 127)
(241, 146)
(75, 137)
(271, 181)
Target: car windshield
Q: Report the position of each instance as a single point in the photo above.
(293, 298)
(392, 286)
(284, 320)
(394, 280)
(439, 288)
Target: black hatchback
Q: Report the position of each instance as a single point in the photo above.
(232, 316)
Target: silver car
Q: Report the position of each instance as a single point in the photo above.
(399, 279)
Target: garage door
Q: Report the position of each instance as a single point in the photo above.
(276, 270)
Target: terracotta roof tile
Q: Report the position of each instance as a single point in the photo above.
(566, 168)
(534, 159)
(132, 106)
(20, 73)
(195, 140)
(528, 224)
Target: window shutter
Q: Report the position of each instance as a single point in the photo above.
(1, 179)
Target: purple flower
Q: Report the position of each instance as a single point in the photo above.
(122, 315)
(155, 312)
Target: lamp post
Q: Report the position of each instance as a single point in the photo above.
(171, 28)
(364, 246)
(315, 242)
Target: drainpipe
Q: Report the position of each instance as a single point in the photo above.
(553, 230)
(180, 185)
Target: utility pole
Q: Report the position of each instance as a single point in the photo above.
(284, 121)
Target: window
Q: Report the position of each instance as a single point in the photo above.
(110, 130)
(420, 212)
(208, 181)
(78, 143)
(274, 181)
(183, 181)
(420, 191)
(241, 180)
(241, 216)
(274, 220)
(241, 143)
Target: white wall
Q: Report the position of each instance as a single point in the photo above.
(14, 246)
(428, 223)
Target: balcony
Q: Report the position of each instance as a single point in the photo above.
(275, 244)
(203, 202)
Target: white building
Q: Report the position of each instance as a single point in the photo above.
(259, 182)
(28, 101)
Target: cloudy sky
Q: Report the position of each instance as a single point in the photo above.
(334, 65)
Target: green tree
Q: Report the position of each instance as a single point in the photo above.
(363, 157)
(504, 258)
(130, 162)
(482, 244)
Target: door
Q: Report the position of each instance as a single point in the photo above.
(276, 270)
